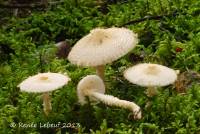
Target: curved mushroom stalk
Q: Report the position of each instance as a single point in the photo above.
(93, 87)
(100, 71)
(114, 101)
(46, 103)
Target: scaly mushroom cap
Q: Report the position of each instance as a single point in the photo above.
(150, 75)
(102, 46)
(90, 83)
(44, 82)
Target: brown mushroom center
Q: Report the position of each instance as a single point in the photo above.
(98, 36)
(152, 70)
(43, 78)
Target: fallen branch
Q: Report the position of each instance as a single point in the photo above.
(158, 17)
(22, 6)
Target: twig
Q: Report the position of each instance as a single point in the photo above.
(22, 6)
(158, 17)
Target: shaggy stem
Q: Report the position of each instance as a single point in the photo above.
(46, 103)
(151, 91)
(114, 101)
(100, 71)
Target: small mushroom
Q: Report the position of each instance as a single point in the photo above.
(102, 46)
(150, 76)
(63, 49)
(44, 83)
(93, 87)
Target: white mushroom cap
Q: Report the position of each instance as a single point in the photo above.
(90, 83)
(150, 75)
(44, 82)
(102, 46)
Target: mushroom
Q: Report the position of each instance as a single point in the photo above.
(102, 46)
(44, 83)
(63, 49)
(93, 87)
(150, 76)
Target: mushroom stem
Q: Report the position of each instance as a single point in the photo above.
(46, 103)
(100, 71)
(151, 91)
(114, 101)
